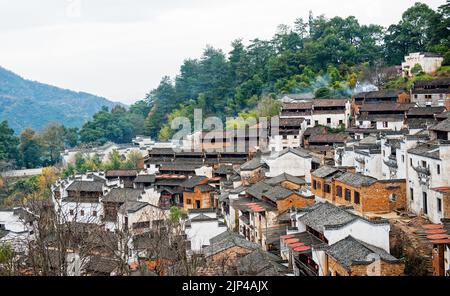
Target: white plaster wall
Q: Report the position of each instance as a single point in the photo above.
(201, 232)
(377, 235)
(291, 164)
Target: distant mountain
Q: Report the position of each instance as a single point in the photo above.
(25, 103)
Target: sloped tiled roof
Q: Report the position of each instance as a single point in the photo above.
(121, 195)
(227, 241)
(86, 186)
(325, 171)
(145, 179)
(356, 179)
(350, 251)
(277, 193)
(285, 177)
(193, 181)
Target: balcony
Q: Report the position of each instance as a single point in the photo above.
(305, 269)
(422, 170)
(391, 162)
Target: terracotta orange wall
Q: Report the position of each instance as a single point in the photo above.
(197, 195)
(375, 198)
(294, 200)
(320, 192)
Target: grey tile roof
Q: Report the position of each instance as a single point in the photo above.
(391, 106)
(145, 179)
(277, 193)
(121, 173)
(253, 164)
(260, 263)
(181, 167)
(193, 181)
(443, 126)
(356, 179)
(325, 171)
(121, 195)
(226, 241)
(429, 150)
(285, 177)
(351, 251)
(425, 111)
(325, 215)
(258, 189)
(202, 218)
(206, 188)
(297, 151)
(86, 186)
(132, 207)
(102, 265)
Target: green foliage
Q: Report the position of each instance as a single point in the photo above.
(8, 143)
(417, 70)
(30, 149)
(176, 214)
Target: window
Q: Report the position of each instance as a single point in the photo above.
(424, 163)
(339, 191)
(314, 184)
(348, 195)
(71, 212)
(319, 185)
(188, 201)
(94, 213)
(328, 120)
(316, 123)
(82, 213)
(308, 121)
(2, 226)
(385, 124)
(438, 169)
(341, 122)
(425, 203)
(403, 159)
(411, 193)
(439, 205)
(357, 198)
(410, 161)
(415, 96)
(327, 188)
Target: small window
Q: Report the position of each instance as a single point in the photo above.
(439, 205)
(411, 193)
(319, 185)
(316, 123)
(403, 159)
(410, 162)
(314, 184)
(189, 202)
(341, 122)
(71, 212)
(308, 121)
(339, 191)
(348, 195)
(82, 213)
(385, 124)
(357, 198)
(438, 169)
(328, 120)
(424, 163)
(327, 188)
(94, 213)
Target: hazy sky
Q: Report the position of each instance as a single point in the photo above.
(120, 49)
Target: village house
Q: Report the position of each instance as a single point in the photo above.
(332, 113)
(431, 93)
(429, 62)
(226, 249)
(288, 133)
(421, 118)
(136, 217)
(377, 97)
(253, 171)
(202, 225)
(197, 193)
(79, 200)
(383, 116)
(441, 131)
(367, 194)
(295, 162)
(125, 178)
(316, 244)
(427, 180)
(17, 228)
